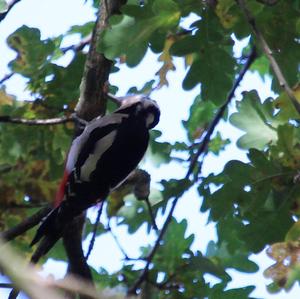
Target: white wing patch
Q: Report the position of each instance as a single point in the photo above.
(101, 147)
(78, 143)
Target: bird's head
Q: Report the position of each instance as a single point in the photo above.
(141, 106)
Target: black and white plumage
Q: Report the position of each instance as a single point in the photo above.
(99, 160)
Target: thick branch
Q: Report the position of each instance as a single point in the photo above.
(201, 150)
(97, 68)
(92, 103)
(72, 242)
(10, 6)
(268, 52)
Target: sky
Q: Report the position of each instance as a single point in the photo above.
(53, 17)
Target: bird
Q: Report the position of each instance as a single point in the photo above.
(99, 160)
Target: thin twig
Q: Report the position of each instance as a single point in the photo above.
(201, 150)
(268, 52)
(150, 210)
(6, 77)
(203, 145)
(10, 6)
(6, 285)
(96, 224)
(268, 2)
(37, 122)
(126, 257)
(78, 47)
(21, 206)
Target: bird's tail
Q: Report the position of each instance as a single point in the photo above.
(51, 226)
(44, 246)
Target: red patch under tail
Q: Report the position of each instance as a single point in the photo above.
(61, 189)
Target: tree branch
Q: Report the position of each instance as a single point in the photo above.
(25, 225)
(201, 150)
(268, 2)
(151, 214)
(126, 257)
(96, 224)
(21, 206)
(72, 240)
(78, 47)
(268, 52)
(10, 6)
(97, 67)
(92, 103)
(6, 77)
(6, 285)
(203, 145)
(37, 122)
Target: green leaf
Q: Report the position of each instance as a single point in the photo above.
(175, 188)
(217, 144)
(89, 227)
(207, 70)
(259, 226)
(3, 6)
(255, 119)
(148, 86)
(61, 140)
(158, 152)
(174, 244)
(201, 113)
(130, 34)
(238, 293)
(32, 51)
(135, 212)
(63, 89)
(186, 45)
(58, 252)
(286, 150)
(261, 65)
(207, 265)
(287, 110)
(84, 30)
(238, 260)
(294, 232)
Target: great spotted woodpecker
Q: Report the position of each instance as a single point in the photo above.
(99, 160)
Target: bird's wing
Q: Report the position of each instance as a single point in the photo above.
(97, 128)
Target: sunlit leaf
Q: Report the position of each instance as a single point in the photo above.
(253, 117)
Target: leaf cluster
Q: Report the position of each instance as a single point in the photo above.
(253, 204)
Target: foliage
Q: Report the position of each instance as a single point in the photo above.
(253, 204)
